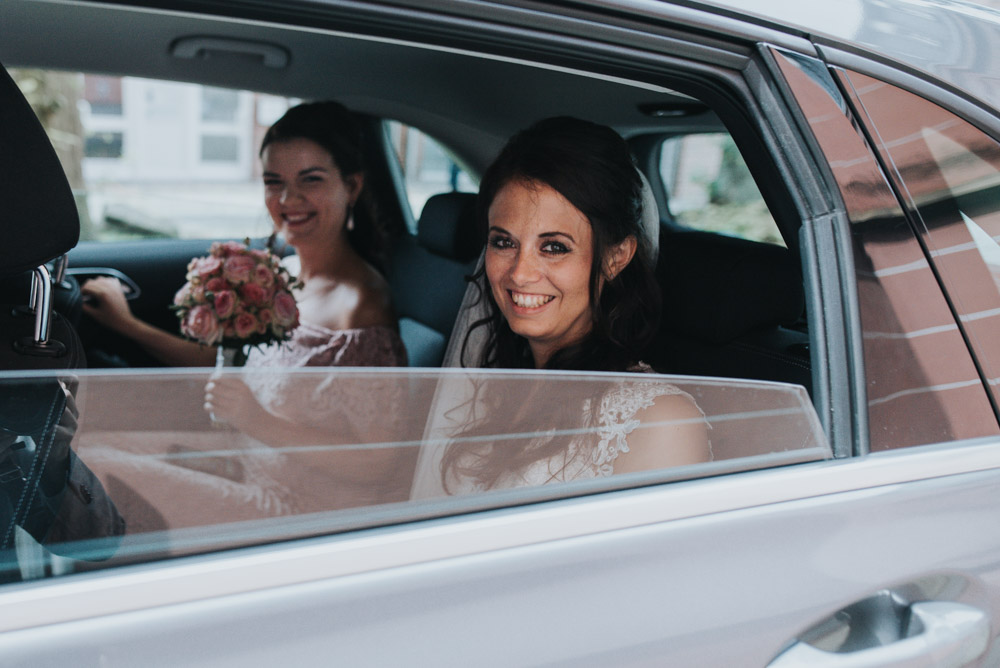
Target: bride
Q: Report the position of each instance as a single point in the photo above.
(567, 284)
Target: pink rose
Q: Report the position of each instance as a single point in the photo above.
(233, 248)
(245, 325)
(204, 267)
(198, 294)
(217, 284)
(182, 295)
(237, 269)
(226, 249)
(202, 325)
(263, 276)
(286, 313)
(265, 315)
(253, 294)
(225, 302)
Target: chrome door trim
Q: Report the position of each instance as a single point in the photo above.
(130, 589)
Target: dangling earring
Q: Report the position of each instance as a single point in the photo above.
(350, 218)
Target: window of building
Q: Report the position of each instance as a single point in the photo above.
(219, 104)
(104, 94)
(219, 148)
(103, 145)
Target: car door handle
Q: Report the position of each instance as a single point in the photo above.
(940, 634)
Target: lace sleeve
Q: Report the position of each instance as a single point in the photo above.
(616, 418)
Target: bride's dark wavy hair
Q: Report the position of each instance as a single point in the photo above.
(591, 166)
(333, 127)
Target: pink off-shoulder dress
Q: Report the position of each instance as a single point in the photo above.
(313, 345)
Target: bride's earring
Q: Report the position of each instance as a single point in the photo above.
(350, 218)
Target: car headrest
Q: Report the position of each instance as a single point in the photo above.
(39, 221)
(718, 288)
(447, 226)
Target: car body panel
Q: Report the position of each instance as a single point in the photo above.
(662, 590)
(952, 41)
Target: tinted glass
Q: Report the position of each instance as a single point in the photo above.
(949, 172)
(921, 382)
(133, 468)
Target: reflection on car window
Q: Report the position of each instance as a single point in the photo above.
(149, 159)
(454, 441)
(426, 166)
(950, 170)
(710, 188)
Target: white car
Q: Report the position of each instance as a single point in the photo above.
(827, 181)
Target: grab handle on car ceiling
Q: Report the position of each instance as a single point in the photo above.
(941, 634)
(271, 55)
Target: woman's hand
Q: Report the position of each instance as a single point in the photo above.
(104, 301)
(231, 401)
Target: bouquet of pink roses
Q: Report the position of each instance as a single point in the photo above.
(237, 297)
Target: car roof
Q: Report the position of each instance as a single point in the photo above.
(953, 41)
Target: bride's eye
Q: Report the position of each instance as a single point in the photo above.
(500, 242)
(554, 248)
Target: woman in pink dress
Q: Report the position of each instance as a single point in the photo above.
(314, 182)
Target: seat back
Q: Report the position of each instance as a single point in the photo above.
(427, 275)
(39, 223)
(729, 309)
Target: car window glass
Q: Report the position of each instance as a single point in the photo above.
(709, 187)
(921, 383)
(426, 165)
(156, 159)
(136, 470)
(950, 172)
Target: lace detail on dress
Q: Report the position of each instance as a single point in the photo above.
(311, 401)
(616, 419)
(592, 453)
(313, 345)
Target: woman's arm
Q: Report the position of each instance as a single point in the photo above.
(108, 306)
(230, 400)
(671, 432)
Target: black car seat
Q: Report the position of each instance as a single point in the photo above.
(44, 489)
(427, 272)
(732, 308)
